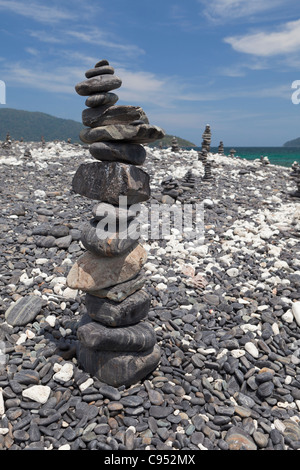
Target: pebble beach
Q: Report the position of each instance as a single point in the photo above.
(225, 310)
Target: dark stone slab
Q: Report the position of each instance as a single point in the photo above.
(115, 368)
(121, 291)
(98, 84)
(106, 181)
(135, 132)
(101, 99)
(110, 313)
(96, 117)
(133, 154)
(98, 238)
(24, 310)
(94, 335)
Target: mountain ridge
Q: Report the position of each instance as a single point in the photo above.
(292, 143)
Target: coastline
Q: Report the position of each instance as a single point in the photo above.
(228, 377)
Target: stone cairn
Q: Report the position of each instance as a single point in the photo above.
(207, 171)
(174, 145)
(232, 153)
(206, 136)
(295, 174)
(221, 148)
(116, 344)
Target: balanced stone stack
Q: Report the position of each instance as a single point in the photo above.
(207, 172)
(221, 148)
(116, 343)
(206, 136)
(174, 145)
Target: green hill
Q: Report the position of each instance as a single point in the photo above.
(32, 125)
(293, 143)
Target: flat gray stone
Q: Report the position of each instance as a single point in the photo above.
(135, 132)
(115, 368)
(102, 70)
(96, 117)
(107, 181)
(101, 99)
(24, 310)
(94, 335)
(133, 154)
(121, 291)
(98, 84)
(98, 238)
(115, 314)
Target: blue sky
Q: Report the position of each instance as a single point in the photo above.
(229, 63)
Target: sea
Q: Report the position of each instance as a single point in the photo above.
(282, 156)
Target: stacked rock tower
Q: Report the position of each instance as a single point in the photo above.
(116, 344)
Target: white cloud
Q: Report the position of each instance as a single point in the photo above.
(102, 38)
(216, 10)
(265, 44)
(36, 11)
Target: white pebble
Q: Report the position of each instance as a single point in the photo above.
(288, 316)
(237, 353)
(40, 194)
(296, 312)
(252, 349)
(2, 409)
(232, 272)
(161, 286)
(38, 393)
(65, 373)
(86, 384)
(51, 319)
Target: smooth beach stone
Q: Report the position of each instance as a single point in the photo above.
(104, 242)
(115, 213)
(135, 132)
(96, 117)
(110, 313)
(102, 70)
(107, 181)
(238, 439)
(120, 292)
(98, 84)
(91, 273)
(101, 99)
(101, 63)
(117, 368)
(134, 154)
(24, 310)
(94, 335)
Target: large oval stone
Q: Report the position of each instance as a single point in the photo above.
(102, 70)
(98, 84)
(101, 99)
(91, 273)
(107, 181)
(94, 335)
(116, 368)
(134, 154)
(24, 310)
(132, 310)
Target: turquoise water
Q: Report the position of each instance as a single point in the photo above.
(283, 156)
